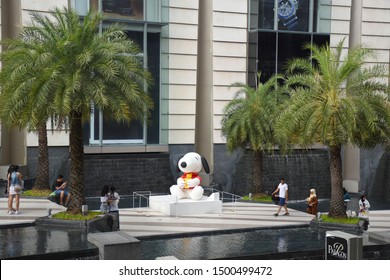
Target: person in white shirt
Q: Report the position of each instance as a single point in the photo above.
(104, 199)
(364, 207)
(113, 210)
(113, 199)
(283, 197)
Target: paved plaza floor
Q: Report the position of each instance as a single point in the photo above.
(252, 223)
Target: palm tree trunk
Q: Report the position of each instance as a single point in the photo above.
(257, 184)
(77, 164)
(42, 179)
(336, 200)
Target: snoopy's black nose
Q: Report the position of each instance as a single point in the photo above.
(183, 164)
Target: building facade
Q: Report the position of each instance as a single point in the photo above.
(195, 50)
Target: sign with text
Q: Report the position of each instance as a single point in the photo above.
(343, 246)
(336, 248)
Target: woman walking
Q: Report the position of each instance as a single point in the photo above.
(312, 203)
(14, 187)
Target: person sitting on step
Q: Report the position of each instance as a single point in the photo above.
(61, 190)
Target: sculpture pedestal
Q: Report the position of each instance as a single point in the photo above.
(170, 205)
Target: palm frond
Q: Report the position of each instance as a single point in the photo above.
(333, 96)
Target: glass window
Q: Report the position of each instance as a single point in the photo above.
(137, 37)
(252, 58)
(291, 46)
(125, 9)
(267, 55)
(253, 14)
(291, 15)
(114, 132)
(322, 16)
(102, 128)
(283, 28)
(153, 10)
(153, 129)
(275, 49)
(117, 132)
(320, 40)
(133, 133)
(81, 6)
(266, 14)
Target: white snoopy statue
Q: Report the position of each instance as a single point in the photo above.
(188, 185)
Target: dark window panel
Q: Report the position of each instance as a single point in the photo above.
(153, 129)
(291, 46)
(266, 14)
(113, 130)
(137, 37)
(278, 48)
(252, 58)
(321, 40)
(267, 54)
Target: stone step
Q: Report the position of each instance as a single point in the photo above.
(380, 235)
(28, 213)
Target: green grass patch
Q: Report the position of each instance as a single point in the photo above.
(327, 219)
(36, 193)
(259, 198)
(77, 217)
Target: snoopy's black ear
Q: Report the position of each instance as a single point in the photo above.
(177, 164)
(205, 165)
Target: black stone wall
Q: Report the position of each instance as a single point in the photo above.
(156, 172)
(128, 173)
(372, 164)
(301, 169)
(58, 162)
(381, 181)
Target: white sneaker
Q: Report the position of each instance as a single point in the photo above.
(16, 213)
(10, 212)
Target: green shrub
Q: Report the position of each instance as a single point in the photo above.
(36, 193)
(259, 198)
(327, 219)
(76, 217)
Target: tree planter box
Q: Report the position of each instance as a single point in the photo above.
(98, 224)
(352, 227)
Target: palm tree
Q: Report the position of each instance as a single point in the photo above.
(335, 101)
(249, 119)
(42, 177)
(61, 65)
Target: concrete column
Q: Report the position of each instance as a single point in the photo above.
(13, 141)
(351, 162)
(204, 88)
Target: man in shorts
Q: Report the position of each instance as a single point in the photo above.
(283, 197)
(61, 190)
